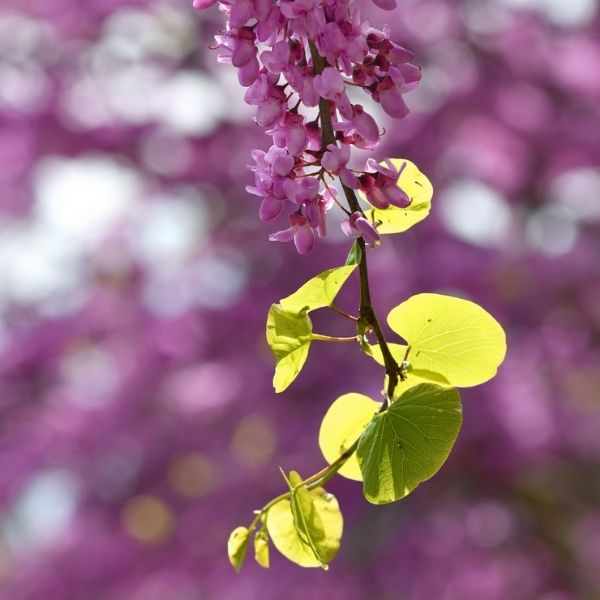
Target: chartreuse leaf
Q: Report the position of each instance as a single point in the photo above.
(408, 443)
(289, 335)
(307, 529)
(452, 337)
(418, 188)
(237, 546)
(289, 329)
(318, 292)
(261, 548)
(342, 425)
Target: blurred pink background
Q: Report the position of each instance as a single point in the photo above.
(138, 425)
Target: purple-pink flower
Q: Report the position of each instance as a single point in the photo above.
(335, 160)
(300, 230)
(356, 225)
(380, 185)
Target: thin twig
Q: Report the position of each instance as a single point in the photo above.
(329, 338)
(339, 311)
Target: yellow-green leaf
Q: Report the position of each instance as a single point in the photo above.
(324, 521)
(398, 351)
(452, 337)
(418, 188)
(307, 522)
(261, 549)
(237, 544)
(318, 292)
(408, 443)
(289, 336)
(342, 425)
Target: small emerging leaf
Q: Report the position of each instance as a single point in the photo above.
(342, 425)
(454, 338)
(289, 336)
(237, 546)
(418, 188)
(355, 255)
(261, 549)
(323, 523)
(318, 292)
(408, 443)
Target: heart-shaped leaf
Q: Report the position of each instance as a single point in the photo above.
(408, 443)
(452, 337)
(342, 425)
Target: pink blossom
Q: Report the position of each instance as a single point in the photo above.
(300, 231)
(380, 186)
(356, 225)
(202, 4)
(291, 133)
(277, 59)
(335, 161)
(386, 4)
(362, 123)
(301, 191)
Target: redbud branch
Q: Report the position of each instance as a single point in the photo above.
(367, 316)
(314, 481)
(367, 313)
(367, 319)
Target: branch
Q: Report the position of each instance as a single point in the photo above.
(367, 317)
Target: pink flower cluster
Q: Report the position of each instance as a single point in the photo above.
(293, 56)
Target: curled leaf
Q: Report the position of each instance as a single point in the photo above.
(308, 528)
(261, 548)
(289, 336)
(237, 544)
(355, 255)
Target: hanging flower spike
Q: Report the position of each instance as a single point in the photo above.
(310, 50)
